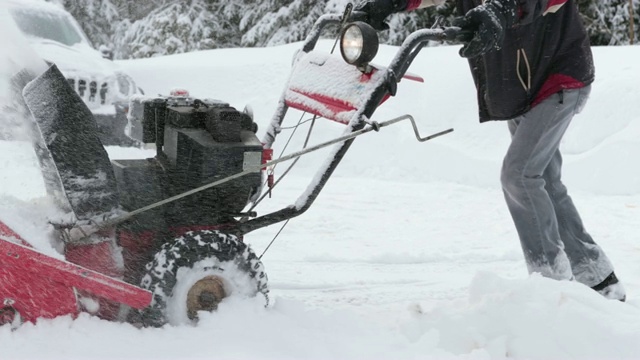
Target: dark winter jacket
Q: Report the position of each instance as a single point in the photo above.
(546, 51)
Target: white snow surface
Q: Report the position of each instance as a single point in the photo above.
(408, 253)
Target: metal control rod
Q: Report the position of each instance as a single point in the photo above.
(80, 232)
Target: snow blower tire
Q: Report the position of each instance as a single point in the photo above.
(201, 268)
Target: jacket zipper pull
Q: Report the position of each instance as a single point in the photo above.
(561, 93)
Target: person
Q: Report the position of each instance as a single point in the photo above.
(532, 66)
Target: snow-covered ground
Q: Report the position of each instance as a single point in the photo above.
(409, 252)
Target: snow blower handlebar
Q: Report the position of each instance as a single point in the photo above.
(397, 69)
(409, 49)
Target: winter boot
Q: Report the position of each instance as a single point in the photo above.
(611, 288)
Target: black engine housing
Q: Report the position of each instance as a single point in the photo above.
(197, 142)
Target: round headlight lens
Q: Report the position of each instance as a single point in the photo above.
(351, 44)
(358, 43)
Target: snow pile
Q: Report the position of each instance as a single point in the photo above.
(536, 318)
(525, 319)
(23, 200)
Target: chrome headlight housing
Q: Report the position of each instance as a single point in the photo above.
(358, 43)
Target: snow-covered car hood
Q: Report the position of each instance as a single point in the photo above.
(76, 59)
(79, 63)
(57, 38)
(87, 73)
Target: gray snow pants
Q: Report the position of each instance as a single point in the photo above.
(551, 233)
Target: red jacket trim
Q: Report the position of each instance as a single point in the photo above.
(553, 6)
(555, 83)
(413, 4)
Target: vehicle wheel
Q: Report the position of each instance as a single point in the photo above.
(195, 272)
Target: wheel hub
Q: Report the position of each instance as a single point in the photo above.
(205, 295)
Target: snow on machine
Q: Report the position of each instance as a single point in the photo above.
(157, 240)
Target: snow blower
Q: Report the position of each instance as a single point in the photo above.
(155, 241)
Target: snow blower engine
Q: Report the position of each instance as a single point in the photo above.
(197, 142)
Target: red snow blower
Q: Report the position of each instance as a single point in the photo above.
(155, 241)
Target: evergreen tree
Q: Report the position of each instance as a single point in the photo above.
(177, 27)
(607, 21)
(283, 24)
(403, 24)
(96, 17)
(142, 28)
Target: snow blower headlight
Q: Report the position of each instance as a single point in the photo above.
(358, 43)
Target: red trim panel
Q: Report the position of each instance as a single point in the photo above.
(34, 296)
(329, 107)
(335, 105)
(18, 259)
(98, 257)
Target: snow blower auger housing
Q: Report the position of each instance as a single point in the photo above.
(164, 236)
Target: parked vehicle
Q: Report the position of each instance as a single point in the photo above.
(58, 39)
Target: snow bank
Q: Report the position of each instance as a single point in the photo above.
(535, 318)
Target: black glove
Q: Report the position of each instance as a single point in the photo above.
(488, 23)
(374, 12)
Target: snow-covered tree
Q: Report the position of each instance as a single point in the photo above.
(607, 21)
(281, 24)
(138, 9)
(142, 28)
(96, 17)
(177, 27)
(403, 24)
(284, 24)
